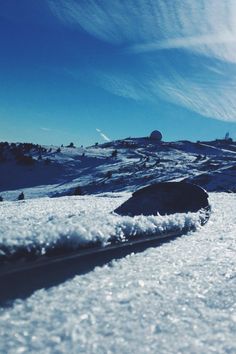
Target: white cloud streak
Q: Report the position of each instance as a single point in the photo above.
(186, 42)
(104, 136)
(45, 129)
(215, 100)
(205, 26)
(121, 85)
(203, 29)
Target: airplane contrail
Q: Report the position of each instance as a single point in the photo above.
(104, 136)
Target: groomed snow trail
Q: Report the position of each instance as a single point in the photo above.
(176, 298)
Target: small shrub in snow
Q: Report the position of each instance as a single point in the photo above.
(78, 191)
(114, 153)
(21, 196)
(109, 174)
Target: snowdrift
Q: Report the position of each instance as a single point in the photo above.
(39, 227)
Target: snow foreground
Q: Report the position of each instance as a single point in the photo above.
(43, 226)
(176, 298)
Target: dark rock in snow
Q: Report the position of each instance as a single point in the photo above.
(165, 198)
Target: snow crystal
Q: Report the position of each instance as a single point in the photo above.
(36, 226)
(176, 298)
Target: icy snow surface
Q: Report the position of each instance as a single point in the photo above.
(36, 226)
(176, 298)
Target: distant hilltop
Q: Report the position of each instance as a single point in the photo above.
(116, 166)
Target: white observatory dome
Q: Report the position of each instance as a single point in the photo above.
(156, 135)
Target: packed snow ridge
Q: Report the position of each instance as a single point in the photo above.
(176, 298)
(122, 165)
(44, 226)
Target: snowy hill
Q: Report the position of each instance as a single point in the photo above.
(122, 165)
(178, 297)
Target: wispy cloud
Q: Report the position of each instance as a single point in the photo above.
(209, 90)
(204, 30)
(214, 99)
(226, 37)
(208, 26)
(45, 129)
(121, 85)
(104, 136)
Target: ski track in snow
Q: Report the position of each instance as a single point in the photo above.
(176, 298)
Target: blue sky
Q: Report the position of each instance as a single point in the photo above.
(88, 70)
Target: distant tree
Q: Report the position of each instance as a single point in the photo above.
(78, 191)
(71, 145)
(108, 174)
(114, 153)
(21, 196)
(96, 144)
(58, 150)
(1, 198)
(198, 158)
(40, 157)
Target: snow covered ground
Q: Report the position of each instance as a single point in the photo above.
(122, 165)
(176, 298)
(38, 225)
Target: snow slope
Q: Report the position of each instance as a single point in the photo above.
(176, 298)
(122, 165)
